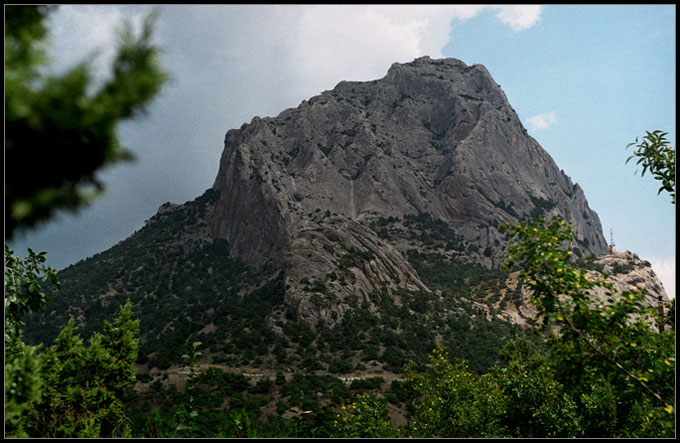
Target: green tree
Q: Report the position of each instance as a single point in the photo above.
(536, 404)
(60, 129)
(656, 155)
(450, 401)
(613, 363)
(364, 417)
(519, 398)
(83, 385)
(23, 387)
(188, 420)
(606, 353)
(23, 294)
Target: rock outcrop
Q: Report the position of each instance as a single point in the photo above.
(361, 228)
(624, 270)
(432, 137)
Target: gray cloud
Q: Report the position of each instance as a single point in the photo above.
(228, 63)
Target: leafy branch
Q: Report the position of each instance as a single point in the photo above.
(23, 289)
(618, 365)
(656, 155)
(561, 292)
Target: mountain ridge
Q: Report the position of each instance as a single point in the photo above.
(360, 228)
(432, 137)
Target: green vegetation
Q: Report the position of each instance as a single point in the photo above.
(432, 231)
(615, 366)
(449, 274)
(69, 390)
(83, 386)
(364, 417)
(604, 372)
(159, 276)
(188, 290)
(587, 369)
(607, 373)
(542, 206)
(59, 129)
(658, 157)
(23, 293)
(596, 371)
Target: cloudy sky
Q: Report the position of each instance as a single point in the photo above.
(586, 80)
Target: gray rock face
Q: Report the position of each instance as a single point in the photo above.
(435, 137)
(624, 270)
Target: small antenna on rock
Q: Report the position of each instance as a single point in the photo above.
(612, 246)
(661, 320)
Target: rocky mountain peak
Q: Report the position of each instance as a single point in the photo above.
(433, 138)
(364, 221)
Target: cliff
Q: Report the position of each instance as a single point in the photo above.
(434, 137)
(360, 229)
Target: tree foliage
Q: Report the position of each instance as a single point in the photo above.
(24, 292)
(59, 129)
(607, 372)
(69, 390)
(656, 155)
(365, 417)
(83, 385)
(519, 398)
(450, 401)
(610, 358)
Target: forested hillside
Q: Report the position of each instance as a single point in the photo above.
(392, 258)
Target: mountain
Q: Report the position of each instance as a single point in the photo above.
(433, 137)
(361, 226)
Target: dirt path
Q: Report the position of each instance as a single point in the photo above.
(177, 375)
